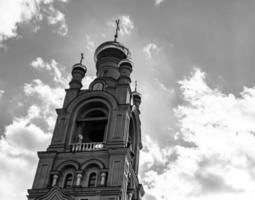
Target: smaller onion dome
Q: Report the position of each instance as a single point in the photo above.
(137, 97)
(79, 67)
(126, 62)
(78, 72)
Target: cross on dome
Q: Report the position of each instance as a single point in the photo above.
(117, 29)
(82, 57)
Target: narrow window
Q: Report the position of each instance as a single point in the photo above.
(92, 180)
(68, 181)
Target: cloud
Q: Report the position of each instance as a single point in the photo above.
(157, 126)
(90, 44)
(55, 17)
(18, 149)
(1, 93)
(157, 2)
(38, 63)
(56, 70)
(126, 24)
(31, 132)
(25, 135)
(220, 164)
(15, 13)
(150, 49)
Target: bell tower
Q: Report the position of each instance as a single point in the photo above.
(94, 151)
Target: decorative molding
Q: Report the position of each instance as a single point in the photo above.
(55, 194)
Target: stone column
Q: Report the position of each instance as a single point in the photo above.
(103, 176)
(78, 181)
(54, 181)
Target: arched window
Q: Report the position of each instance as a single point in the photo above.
(92, 123)
(68, 181)
(92, 180)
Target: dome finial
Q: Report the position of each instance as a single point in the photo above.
(135, 85)
(117, 29)
(82, 57)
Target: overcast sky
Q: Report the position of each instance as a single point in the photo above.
(194, 63)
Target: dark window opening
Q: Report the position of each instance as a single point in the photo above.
(93, 131)
(91, 126)
(131, 142)
(68, 181)
(92, 180)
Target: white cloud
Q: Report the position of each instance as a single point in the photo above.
(1, 93)
(55, 17)
(32, 132)
(14, 13)
(47, 94)
(126, 26)
(220, 165)
(150, 49)
(18, 149)
(38, 63)
(157, 2)
(50, 97)
(56, 70)
(25, 135)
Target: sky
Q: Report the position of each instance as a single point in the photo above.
(194, 64)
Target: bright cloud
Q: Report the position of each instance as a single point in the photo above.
(1, 93)
(150, 49)
(157, 2)
(56, 70)
(157, 126)
(55, 17)
(32, 132)
(18, 147)
(220, 165)
(127, 25)
(14, 13)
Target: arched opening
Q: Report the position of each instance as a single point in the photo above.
(92, 180)
(92, 123)
(68, 181)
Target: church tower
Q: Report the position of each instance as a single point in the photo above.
(94, 151)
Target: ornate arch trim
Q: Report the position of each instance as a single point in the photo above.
(109, 99)
(90, 162)
(72, 163)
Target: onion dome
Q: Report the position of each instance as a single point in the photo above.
(112, 49)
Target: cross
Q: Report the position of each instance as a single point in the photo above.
(82, 57)
(135, 85)
(117, 29)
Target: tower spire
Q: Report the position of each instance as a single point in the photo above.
(117, 30)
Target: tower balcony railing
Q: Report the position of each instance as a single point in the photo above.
(92, 146)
